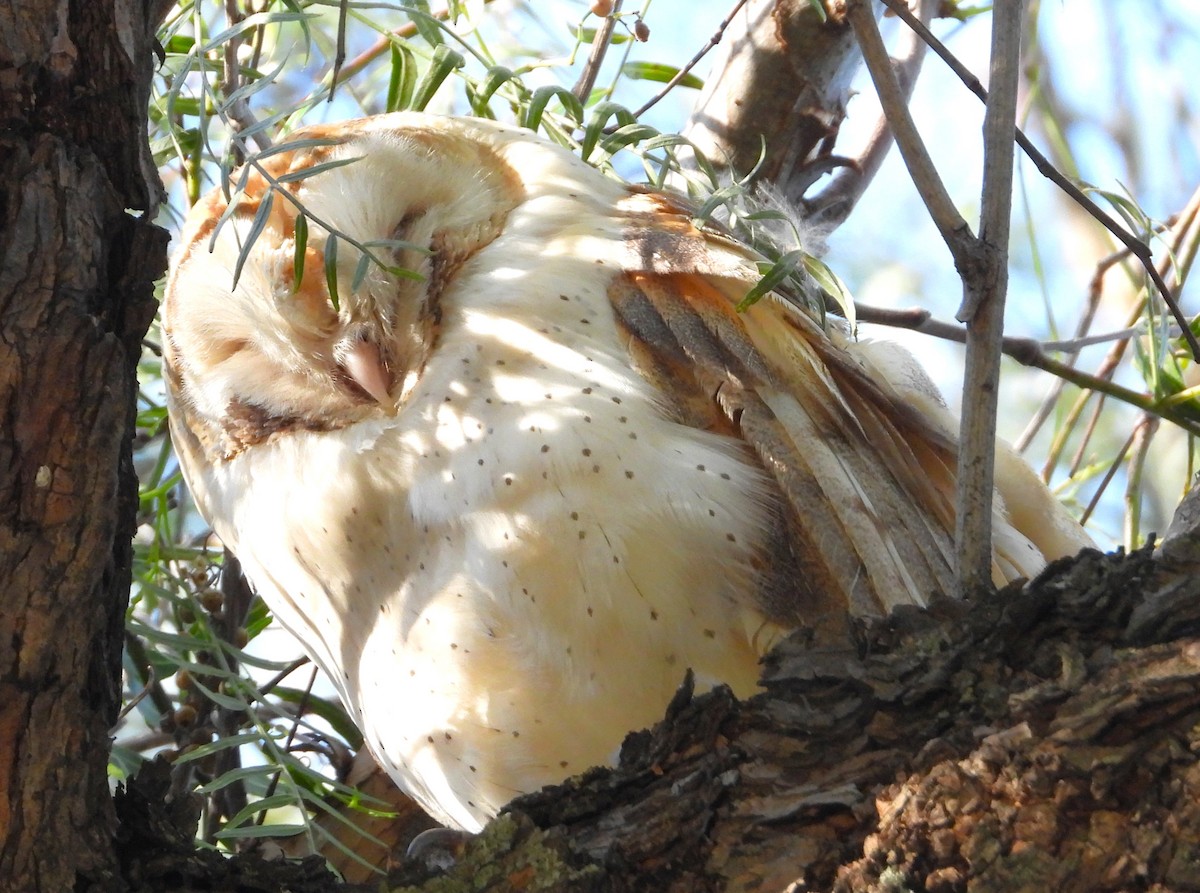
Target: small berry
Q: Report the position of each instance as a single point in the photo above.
(212, 600)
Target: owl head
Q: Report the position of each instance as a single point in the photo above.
(308, 292)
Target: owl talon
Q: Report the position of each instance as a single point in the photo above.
(438, 849)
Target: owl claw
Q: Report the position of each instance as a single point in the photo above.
(438, 848)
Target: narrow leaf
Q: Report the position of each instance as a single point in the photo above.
(331, 271)
(427, 26)
(656, 71)
(241, 773)
(445, 61)
(542, 97)
(403, 79)
(598, 121)
(298, 255)
(497, 76)
(773, 275)
(322, 167)
(256, 228)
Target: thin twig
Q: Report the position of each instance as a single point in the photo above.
(1108, 476)
(954, 229)
(695, 60)
(291, 736)
(340, 54)
(835, 202)
(237, 112)
(1141, 250)
(1027, 352)
(600, 43)
(1095, 292)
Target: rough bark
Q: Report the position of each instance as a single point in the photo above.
(1022, 743)
(76, 296)
(778, 93)
(1041, 739)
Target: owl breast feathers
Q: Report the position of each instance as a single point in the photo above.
(508, 501)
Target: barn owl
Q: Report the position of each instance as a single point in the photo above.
(514, 474)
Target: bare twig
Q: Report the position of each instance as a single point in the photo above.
(600, 43)
(340, 55)
(1108, 476)
(1027, 352)
(954, 229)
(835, 202)
(1140, 249)
(238, 111)
(1095, 291)
(683, 72)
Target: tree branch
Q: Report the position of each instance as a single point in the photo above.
(985, 287)
(780, 72)
(954, 229)
(600, 42)
(835, 202)
(1140, 249)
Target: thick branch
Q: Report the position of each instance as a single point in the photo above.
(777, 95)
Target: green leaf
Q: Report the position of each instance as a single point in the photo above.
(223, 743)
(588, 35)
(542, 97)
(251, 22)
(180, 44)
(315, 142)
(423, 20)
(331, 271)
(298, 253)
(360, 271)
(235, 704)
(659, 73)
(257, 225)
(403, 80)
(629, 135)
(234, 825)
(497, 76)
(773, 275)
(265, 830)
(598, 121)
(320, 168)
(445, 61)
(233, 776)
(258, 617)
(828, 282)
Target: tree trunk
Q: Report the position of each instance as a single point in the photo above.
(76, 297)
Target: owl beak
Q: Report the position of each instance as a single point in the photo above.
(365, 366)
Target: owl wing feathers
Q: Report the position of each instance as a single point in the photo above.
(863, 457)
